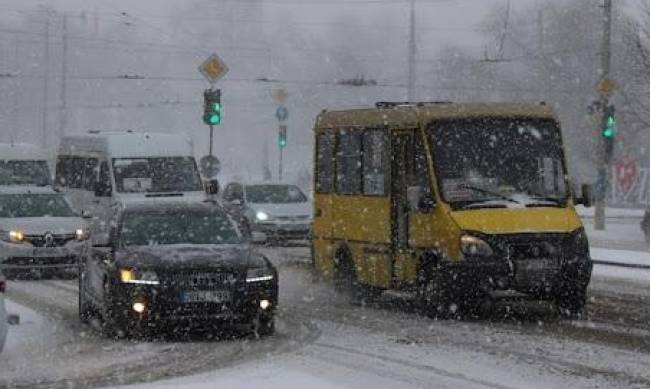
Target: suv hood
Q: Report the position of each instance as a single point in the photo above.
(189, 256)
(42, 225)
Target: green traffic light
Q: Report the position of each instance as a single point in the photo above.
(610, 128)
(214, 119)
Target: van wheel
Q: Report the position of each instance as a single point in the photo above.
(432, 295)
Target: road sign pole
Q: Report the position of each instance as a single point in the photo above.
(280, 164)
(211, 138)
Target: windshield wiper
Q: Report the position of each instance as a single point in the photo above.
(540, 197)
(485, 191)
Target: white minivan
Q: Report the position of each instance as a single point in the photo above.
(102, 171)
(24, 164)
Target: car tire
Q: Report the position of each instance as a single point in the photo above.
(111, 325)
(264, 326)
(85, 311)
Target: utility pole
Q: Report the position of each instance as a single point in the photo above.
(64, 77)
(411, 55)
(46, 64)
(604, 162)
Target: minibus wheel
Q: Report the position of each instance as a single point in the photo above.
(431, 293)
(346, 281)
(571, 303)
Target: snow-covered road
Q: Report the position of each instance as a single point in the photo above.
(325, 342)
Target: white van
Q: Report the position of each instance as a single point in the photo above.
(103, 170)
(24, 164)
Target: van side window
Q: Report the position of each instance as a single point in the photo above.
(375, 162)
(90, 174)
(62, 169)
(348, 162)
(76, 172)
(104, 183)
(324, 166)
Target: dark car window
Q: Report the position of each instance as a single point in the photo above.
(34, 205)
(177, 227)
(274, 194)
(24, 173)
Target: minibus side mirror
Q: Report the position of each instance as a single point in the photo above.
(585, 200)
(419, 200)
(212, 186)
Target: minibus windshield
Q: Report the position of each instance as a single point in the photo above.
(159, 174)
(499, 162)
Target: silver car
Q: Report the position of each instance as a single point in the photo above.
(39, 231)
(270, 211)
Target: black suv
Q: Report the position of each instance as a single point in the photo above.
(176, 264)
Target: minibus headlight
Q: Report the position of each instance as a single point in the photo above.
(133, 276)
(475, 247)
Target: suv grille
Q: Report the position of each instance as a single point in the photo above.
(199, 280)
(49, 240)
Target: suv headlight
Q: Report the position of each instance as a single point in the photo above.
(260, 274)
(142, 277)
(12, 236)
(475, 247)
(80, 234)
(261, 216)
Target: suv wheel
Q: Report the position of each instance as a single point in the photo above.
(85, 312)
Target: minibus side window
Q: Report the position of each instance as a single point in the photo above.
(348, 163)
(324, 162)
(418, 181)
(375, 162)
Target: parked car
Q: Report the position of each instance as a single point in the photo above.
(4, 322)
(645, 225)
(24, 164)
(39, 231)
(170, 265)
(270, 211)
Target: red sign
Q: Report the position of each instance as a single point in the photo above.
(626, 172)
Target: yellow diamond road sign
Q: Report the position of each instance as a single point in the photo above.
(213, 68)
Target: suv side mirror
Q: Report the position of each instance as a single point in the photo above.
(586, 196)
(212, 186)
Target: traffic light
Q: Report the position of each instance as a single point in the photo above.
(212, 106)
(608, 130)
(282, 136)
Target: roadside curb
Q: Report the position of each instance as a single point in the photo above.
(618, 264)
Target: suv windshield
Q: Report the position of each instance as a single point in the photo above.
(274, 194)
(177, 227)
(499, 162)
(34, 205)
(24, 173)
(161, 174)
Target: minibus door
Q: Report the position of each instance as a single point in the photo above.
(402, 147)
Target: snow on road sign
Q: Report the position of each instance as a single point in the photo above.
(213, 68)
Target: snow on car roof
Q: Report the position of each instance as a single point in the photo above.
(26, 189)
(22, 152)
(128, 144)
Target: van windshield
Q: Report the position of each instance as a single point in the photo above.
(24, 173)
(499, 162)
(34, 205)
(160, 174)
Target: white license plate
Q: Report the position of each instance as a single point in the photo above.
(205, 296)
(535, 265)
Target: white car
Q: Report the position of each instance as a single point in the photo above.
(39, 231)
(3, 312)
(272, 211)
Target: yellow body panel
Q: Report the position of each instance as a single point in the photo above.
(358, 218)
(518, 220)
